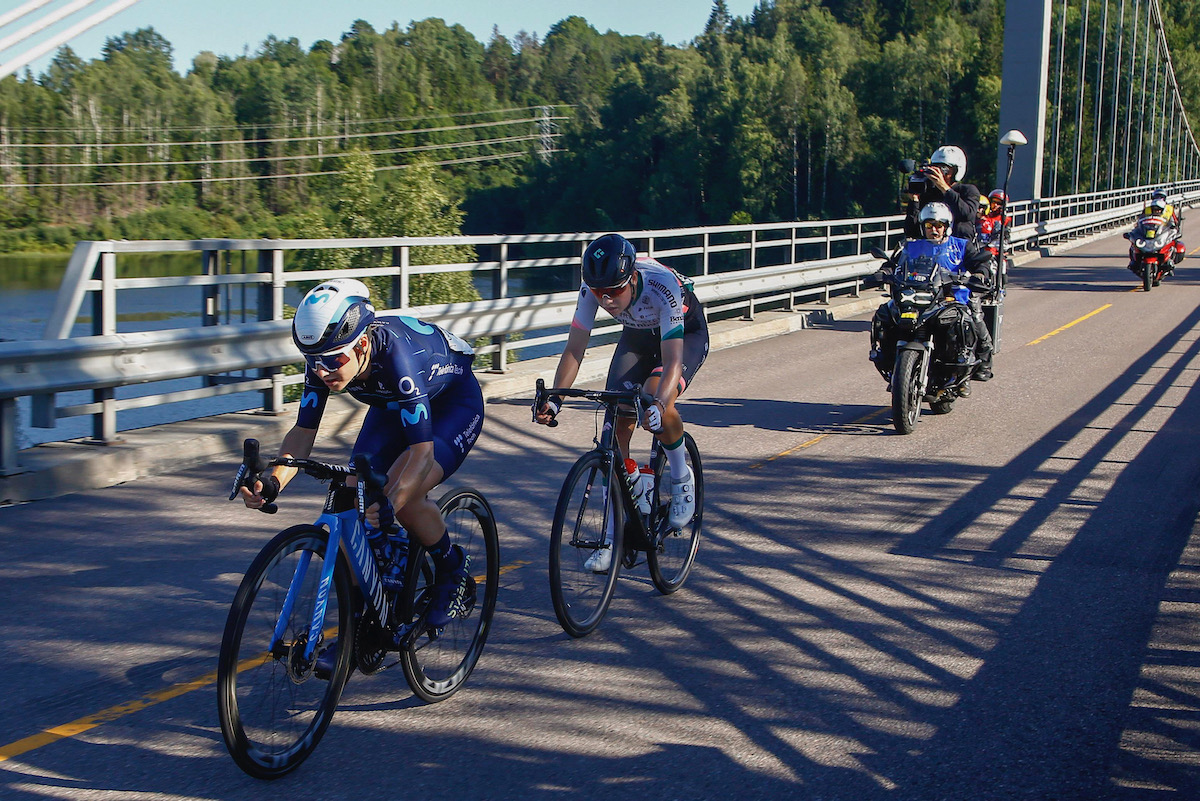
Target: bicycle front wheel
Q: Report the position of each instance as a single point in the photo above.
(588, 514)
(671, 560)
(274, 704)
(437, 662)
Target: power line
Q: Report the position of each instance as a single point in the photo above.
(319, 123)
(338, 155)
(319, 138)
(168, 181)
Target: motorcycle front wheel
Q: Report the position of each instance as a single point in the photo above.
(1147, 275)
(906, 391)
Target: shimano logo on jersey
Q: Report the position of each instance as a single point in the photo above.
(663, 288)
(438, 370)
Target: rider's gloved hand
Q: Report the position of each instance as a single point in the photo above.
(548, 411)
(380, 514)
(653, 417)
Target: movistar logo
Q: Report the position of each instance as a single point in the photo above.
(309, 399)
(321, 298)
(414, 417)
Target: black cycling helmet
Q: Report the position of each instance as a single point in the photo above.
(608, 262)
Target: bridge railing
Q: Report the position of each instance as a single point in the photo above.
(245, 341)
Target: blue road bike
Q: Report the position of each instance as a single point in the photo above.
(312, 608)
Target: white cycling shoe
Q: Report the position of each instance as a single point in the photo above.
(600, 560)
(683, 501)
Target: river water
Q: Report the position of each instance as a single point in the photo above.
(29, 285)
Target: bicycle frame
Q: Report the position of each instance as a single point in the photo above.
(610, 455)
(344, 528)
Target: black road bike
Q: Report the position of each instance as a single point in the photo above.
(596, 509)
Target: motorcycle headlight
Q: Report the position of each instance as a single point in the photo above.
(1160, 241)
(1141, 243)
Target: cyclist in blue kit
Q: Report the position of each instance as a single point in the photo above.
(426, 411)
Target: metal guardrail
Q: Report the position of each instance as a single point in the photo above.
(736, 269)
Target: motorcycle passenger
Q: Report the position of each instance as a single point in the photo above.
(1160, 208)
(942, 184)
(959, 256)
(992, 225)
(662, 346)
(425, 413)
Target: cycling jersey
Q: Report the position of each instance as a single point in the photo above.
(412, 362)
(664, 302)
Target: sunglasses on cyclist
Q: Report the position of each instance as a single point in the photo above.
(330, 362)
(613, 292)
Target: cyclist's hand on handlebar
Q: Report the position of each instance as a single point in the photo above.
(380, 515)
(652, 418)
(548, 412)
(266, 490)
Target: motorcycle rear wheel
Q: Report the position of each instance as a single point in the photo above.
(906, 391)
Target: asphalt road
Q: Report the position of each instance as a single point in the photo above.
(1000, 605)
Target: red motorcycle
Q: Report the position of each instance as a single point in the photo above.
(1154, 250)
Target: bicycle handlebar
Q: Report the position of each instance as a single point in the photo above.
(606, 397)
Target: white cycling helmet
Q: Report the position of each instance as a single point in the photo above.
(332, 316)
(952, 155)
(936, 211)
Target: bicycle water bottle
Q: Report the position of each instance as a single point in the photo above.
(647, 481)
(638, 486)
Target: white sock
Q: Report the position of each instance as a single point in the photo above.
(677, 459)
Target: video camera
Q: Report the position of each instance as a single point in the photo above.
(918, 176)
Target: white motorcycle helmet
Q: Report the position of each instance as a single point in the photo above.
(938, 212)
(952, 155)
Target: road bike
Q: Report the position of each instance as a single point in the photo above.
(313, 607)
(596, 509)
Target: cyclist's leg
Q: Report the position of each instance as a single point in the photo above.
(384, 441)
(695, 351)
(633, 360)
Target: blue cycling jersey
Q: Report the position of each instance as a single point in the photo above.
(412, 362)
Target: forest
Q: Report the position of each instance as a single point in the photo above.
(800, 111)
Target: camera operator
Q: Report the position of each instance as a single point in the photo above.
(938, 182)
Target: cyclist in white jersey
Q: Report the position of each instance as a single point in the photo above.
(662, 346)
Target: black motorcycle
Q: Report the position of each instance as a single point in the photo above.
(922, 339)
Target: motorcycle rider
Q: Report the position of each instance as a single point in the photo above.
(1158, 206)
(942, 184)
(959, 256)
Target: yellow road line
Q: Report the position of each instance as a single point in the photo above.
(1068, 325)
(104, 716)
(89, 722)
(816, 439)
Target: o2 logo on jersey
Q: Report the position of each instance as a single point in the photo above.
(415, 416)
(407, 386)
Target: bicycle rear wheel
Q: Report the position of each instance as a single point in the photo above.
(438, 662)
(671, 561)
(274, 704)
(588, 507)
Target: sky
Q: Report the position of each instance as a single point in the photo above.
(229, 27)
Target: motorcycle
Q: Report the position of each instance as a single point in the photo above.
(1154, 250)
(922, 340)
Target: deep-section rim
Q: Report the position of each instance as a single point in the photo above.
(249, 756)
